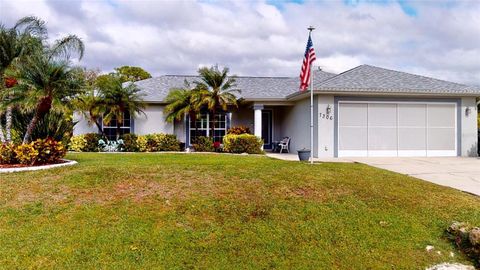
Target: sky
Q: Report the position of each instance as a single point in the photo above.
(434, 38)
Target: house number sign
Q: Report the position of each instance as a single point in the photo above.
(326, 116)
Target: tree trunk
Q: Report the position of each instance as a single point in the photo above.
(8, 124)
(213, 125)
(31, 126)
(2, 137)
(43, 107)
(118, 130)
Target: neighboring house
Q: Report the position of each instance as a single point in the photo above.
(365, 111)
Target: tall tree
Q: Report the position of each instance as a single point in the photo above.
(216, 90)
(15, 43)
(119, 99)
(47, 79)
(132, 74)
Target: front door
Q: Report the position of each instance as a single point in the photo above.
(267, 129)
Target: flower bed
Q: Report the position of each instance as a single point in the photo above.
(157, 142)
(39, 152)
(23, 168)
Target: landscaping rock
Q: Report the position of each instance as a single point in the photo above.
(451, 266)
(474, 236)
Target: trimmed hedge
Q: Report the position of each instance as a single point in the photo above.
(203, 144)
(130, 143)
(243, 143)
(85, 143)
(158, 142)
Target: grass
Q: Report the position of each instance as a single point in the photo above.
(174, 211)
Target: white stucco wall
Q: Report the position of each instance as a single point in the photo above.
(153, 121)
(82, 127)
(469, 127)
(326, 125)
(296, 125)
(180, 131)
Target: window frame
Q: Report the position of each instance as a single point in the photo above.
(208, 129)
(123, 127)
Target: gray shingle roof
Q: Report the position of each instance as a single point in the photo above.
(367, 78)
(156, 89)
(363, 78)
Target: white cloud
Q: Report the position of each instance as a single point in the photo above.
(255, 38)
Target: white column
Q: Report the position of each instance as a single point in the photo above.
(257, 130)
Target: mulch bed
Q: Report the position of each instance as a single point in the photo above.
(10, 166)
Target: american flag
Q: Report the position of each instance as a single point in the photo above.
(307, 61)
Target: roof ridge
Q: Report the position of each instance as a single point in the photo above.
(333, 77)
(248, 76)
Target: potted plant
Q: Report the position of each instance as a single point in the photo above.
(303, 154)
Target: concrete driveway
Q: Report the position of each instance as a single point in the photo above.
(457, 172)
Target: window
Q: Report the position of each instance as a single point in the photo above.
(203, 124)
(110, 130)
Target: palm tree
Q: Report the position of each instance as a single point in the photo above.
(119, 99)
(89, 103)
(183, 102)
(47, 79)
(216, 91)
(16, 42)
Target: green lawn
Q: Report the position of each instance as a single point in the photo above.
(174, 211)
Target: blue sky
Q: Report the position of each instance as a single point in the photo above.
(267, 38)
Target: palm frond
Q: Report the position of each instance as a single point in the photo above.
(64, 47)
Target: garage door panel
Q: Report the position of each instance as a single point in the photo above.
(353, 138)
(353, 114)
(382, 115)
(412, 138)
(441, 139)
(411, 115)
(382, 138)
(441, 115)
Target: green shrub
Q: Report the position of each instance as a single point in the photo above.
(26, 154)
(158, 142)
(203, 144)
(7, 153)
(85, 143)
(130, 142)
(239, 130)
(49, 151)
(77, 143)
(243, 143)
(92, 142)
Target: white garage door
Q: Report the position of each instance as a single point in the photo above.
(397, 129)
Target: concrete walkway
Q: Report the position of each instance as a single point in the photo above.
(461, 173)
(294, 157)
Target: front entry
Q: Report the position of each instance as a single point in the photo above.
(267, 129)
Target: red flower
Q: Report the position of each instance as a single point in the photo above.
(216, 145)
(10, 82)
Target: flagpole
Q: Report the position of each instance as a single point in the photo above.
(311, 28)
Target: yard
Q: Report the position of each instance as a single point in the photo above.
(123, 211)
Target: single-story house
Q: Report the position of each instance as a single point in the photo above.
(364, 111)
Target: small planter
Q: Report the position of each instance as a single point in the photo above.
(304, 154)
